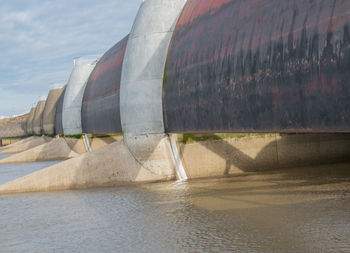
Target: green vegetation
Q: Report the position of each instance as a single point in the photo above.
(165, 72)
(79, 136)
(105, 135)
(50, 135)
(76, 136)
(189, 138)
(14, 137)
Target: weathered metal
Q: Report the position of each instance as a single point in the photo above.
(259, 66)
(100, 109)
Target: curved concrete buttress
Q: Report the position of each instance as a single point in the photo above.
(38, 117)
(73, 98)
(100, 110)
(49, 114)
(30, 121)
(59, 110)
(141, 84)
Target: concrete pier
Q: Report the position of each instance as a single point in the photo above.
(56, 149)
(26, 145)
(111, 165)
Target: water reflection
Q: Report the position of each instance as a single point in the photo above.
(300, 210)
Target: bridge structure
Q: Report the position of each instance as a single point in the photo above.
(211, 66)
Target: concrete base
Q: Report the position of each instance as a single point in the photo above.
(152, 152)
(54, 150)
(262, 152)
(27, 144)
(107, 166)
(97, 143)
(129, 161)
(77, 145)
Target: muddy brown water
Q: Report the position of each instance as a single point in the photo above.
(9, 172)
(295, 210)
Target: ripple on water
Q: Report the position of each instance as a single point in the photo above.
(264, 212)
(3, 156)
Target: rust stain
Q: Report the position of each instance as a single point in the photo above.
(259, 65)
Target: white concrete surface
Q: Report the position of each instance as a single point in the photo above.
(143, 69)
(57, 149)
(71, 115)
(31, 143)
(141, 107)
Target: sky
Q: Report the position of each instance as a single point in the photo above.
(40, 38)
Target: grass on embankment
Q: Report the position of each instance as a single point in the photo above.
(79, 136)
(190, 138)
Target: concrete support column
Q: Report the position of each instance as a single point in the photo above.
(87, 143)
(141, 107)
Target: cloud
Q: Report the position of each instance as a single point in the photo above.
(39, 40)
(57, 86)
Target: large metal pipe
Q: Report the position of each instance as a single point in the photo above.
(259, 66)
(100, 109)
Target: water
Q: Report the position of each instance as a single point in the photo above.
(10, 172)
(3, 156)
(300, 210)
